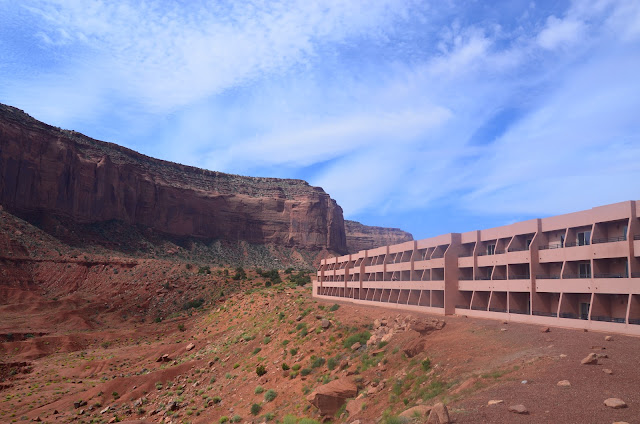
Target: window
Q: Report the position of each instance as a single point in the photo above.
(491, 249)
(528, 244)
(584, 270)
(584, 238)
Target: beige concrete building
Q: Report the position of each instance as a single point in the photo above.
(579, 270)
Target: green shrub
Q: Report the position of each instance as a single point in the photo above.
(332, 363)
(261, 370)
(256, 351)
(223, 419)
(240, 274)
(296, 367)
(285, 367)
(181, 327)
(216, 399)
(255, 409)
(305, 371)
(193, 304)
(359, 338)
(293, 351)
(266, 340)
(204, 270)
(258, 390)
(334, 307)
(270, 395)
(426, 364)
(317, 362)
(236, 418)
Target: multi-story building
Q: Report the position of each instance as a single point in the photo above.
(579, 270)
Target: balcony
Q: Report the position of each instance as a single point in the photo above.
(520, 277)
(547, 277)
(519, 311)
(545, 314)
(518, 249)
(635, 275)
(551, 246)
(609, 275)
(607, 319)
(609, 239)
(572, 276)
(498, 310)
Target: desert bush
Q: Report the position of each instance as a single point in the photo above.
(270, 395)
(359, 337)
(426, 364)
(334, 307)
(258, 390)
(255, 409)
(261, 370)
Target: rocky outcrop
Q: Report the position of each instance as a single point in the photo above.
(330, 397)
(48, 171)
(364, 237)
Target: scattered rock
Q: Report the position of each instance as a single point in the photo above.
(79, 404)
(545, 330)
(591, 359)
(164, 358)
(608, 339)
(427, 326)
(355, 406)
(563, 383)
(615, 403)
(105, 410)
(299, 318)
(325, 323)
(562, 355)
(607, 371)
(356, 346)
(37, 419)
(602, 355)
(495, 402)
(519, 409)
(190, 346)
(330, 397)
(420, 411)
(503, 329)
(524, 382)
(439, 414)
(415, 347)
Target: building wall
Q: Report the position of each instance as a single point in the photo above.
(579, 270)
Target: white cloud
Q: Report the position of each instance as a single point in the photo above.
(560, 32)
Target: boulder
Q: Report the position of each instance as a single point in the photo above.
(545, 330)
(330, 397)
(563, 383)
(607, 371)
(426, 326)
(439, 414)
(420, 412)
(519, 409)
(608, 339)
(325, 323)
(190, 346)
(495, 402)
(415, 347)
(591, 359)
(356, 346)
(615, 403)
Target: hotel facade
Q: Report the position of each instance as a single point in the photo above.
(579, 270)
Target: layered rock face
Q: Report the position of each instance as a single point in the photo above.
(364, 237)
(46, 170)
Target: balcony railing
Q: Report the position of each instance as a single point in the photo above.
(465, 254)
(573, 244)
(569, 315)
(551, 246)
(609, 275)
(462, 306)
(495, 252)
(482, 278)
(518, 249)
(607, 319)
(567, 276)
(545, 314)
(497, 310)
(499, 277)
(520, 277)
(437, 255)
(519, 311)
(483, 308)
(635, 275)
(609, 239)
(465, 278)
(636, 237)
(547, 277)
(635, 321)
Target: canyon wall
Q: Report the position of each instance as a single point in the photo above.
(46, 170)
(364, 237)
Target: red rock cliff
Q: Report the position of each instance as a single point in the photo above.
(44, 169)
(364, 237)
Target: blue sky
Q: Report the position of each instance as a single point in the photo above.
(433, 117)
